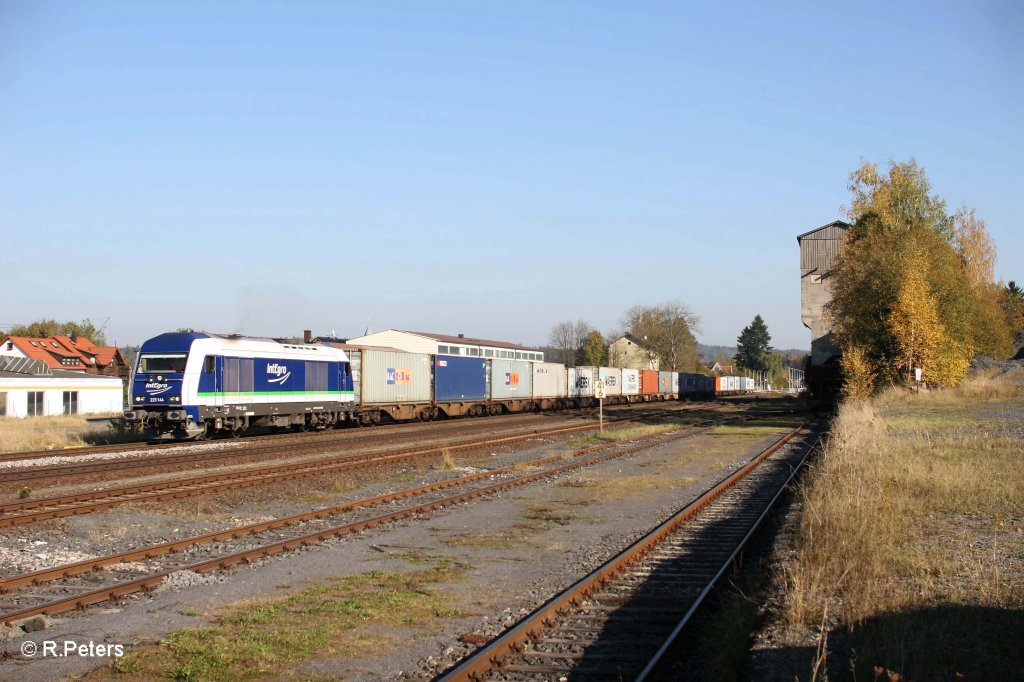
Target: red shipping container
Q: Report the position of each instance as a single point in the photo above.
(648, 382)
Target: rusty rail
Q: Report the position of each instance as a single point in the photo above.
(516, 640)
(223, 562)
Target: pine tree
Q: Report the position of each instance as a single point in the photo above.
(752, 345)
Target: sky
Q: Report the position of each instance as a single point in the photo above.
(481, 168)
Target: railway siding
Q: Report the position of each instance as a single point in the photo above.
(487, 540)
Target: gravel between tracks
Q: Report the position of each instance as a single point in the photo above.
(512, 567)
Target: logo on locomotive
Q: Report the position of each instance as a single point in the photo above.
(279, 372)
(399, 376)
(156, 388)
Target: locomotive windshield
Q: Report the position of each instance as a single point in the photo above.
(162, 364)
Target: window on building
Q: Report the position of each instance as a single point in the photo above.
(35, 403)
(475, 352)
(10, 345)
(34, 343)
(488, 353)
(455, 350)
(3, 404)
(442, 349)
(70, 402)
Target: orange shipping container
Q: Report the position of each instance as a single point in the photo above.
(718, 384)
(648, 382)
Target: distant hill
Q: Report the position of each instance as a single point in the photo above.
(707, 352)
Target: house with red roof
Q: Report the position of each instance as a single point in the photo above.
(72, 353)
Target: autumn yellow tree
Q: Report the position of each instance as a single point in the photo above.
(993, 333)
(877, 291)
(920, 337)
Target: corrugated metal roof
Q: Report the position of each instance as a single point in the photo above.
(468, 340)
(834, 230)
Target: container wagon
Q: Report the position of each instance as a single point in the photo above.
(648, 383)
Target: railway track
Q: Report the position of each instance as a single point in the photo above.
(75, 586)
(272, 446)
(619, 622)
(28, 511)
(280, 438)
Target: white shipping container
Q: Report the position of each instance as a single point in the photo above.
(549, 380)
(382, 377)
(612, 378)
(511, 379)
(582, 380)
(675, 382)
(630, 381)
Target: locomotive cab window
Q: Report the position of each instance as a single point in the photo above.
(209, 364)
(159, 364)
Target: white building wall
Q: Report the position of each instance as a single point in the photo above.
(96, 395)
(414, 343)
(392, 338)
(14, 352)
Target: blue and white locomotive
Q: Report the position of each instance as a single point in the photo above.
(189, 385)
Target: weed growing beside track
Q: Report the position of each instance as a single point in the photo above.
(272, 637)
(910, 553)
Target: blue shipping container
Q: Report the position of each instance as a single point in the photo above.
(457, 378)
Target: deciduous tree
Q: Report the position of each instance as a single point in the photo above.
(593, 352)
(47, 328)
(669, 329)
(567, 338)
(896, 221)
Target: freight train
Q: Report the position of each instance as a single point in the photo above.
(192, 385)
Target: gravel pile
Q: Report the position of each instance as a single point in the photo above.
(181, 579)
(983, 362)
(25, 555)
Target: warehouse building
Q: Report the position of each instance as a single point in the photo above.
(444, 344)
(29, 388)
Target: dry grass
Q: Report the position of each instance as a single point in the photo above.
(912, 526)
(345, 617)
(54, 433)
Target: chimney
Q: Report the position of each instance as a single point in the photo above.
(462, 336)
(74, 338)
(307, 336)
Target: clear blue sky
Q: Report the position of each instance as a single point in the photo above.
(485, 168)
